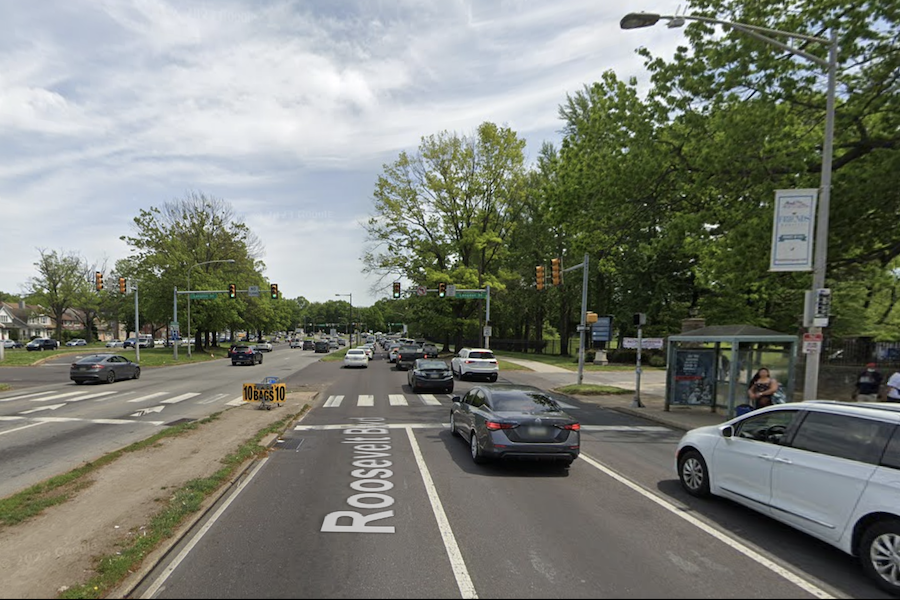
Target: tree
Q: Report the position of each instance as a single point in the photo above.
(58, 284)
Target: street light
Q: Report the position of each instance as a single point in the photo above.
(190, 293)
(350, 325)
(638, 20)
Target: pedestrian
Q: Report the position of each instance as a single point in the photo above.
(868, 384)
(893, 385)
(763, 386)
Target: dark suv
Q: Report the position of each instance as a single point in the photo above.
(309, 345)
(41, 344)
(321, 346)
(245, 355)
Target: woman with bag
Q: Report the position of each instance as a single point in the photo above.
(762, 388)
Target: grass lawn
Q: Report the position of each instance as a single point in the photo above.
(571, 362)
(150, 357)
(590, 389)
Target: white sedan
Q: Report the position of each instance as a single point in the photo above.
(356, 357)
(264, 346)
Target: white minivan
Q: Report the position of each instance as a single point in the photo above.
(829, 469)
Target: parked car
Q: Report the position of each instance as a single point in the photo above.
(245, 355)
(103, 367)
(430, 374)
(114, 344)
(130, 343)
(508, 421)
(77, 342)
(475, 362)
(828, 469)
(147, 341)
(12, 344)
(309, 345)
(41, 344)
(264, 346)
(356, 357)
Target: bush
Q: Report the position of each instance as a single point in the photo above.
(657, 361)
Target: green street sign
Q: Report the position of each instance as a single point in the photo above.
(471, 295)
(203, 295)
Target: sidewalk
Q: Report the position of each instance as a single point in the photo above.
(653, 390)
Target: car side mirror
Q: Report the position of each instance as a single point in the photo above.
(727, 431)
(455, 399)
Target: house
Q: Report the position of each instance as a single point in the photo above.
(24, 321)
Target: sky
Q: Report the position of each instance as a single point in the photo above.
(286, 110)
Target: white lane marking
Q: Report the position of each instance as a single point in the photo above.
(148, 397)
(145, 411)
(457, 563)
(626, 428)
(41, 408)
(211, 400)
(95, 395)
(333, 401)
(178, 399)
(57, 396)
(384, 425)
(236, 402)
(20, 428)
(26, 396)
(172, 566)
(430, 399)
(366, 400)
(729, 541)
(398, 400)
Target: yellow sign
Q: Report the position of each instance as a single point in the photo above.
(591, 317)
(264, 392)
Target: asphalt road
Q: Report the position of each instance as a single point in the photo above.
(53, 427)
(370, 496)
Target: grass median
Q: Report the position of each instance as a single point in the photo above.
(570, 362)
(150, 357)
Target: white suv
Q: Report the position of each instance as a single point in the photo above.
(472, 362)
(829, 469)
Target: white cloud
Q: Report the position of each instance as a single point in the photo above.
(287, 110)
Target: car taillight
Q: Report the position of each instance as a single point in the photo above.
(469, 362)
(571, 426)
(495, 425)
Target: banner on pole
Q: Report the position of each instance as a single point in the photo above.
(792, 230)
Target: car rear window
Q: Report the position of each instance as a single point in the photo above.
(432, 365)
(408, 349)
(481, 354)
(523, 401)
(91, 359)
(241, 349)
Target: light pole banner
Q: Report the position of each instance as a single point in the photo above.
(792, 230)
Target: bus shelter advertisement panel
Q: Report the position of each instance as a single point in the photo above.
(695, 377)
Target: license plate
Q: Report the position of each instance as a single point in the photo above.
(535, 431)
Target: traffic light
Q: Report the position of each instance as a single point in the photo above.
(274, 290)
(98, 280)
(122, 285)
(556, 271)
(640, 319)
(540, 277)
(442, 289)
(396, 289)
(232, 291)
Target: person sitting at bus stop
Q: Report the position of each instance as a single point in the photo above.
(762, 388)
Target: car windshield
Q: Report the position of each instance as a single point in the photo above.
(431, 365)
(481, 354)
(524, 401)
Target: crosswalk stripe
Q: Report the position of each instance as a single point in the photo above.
(366, 400)
(236, 402)
(26, 396)
(398, 400)
(430, 399)
(148, 397)
(178, 399)
(89, 396)
(57, 396)
(334, 401)
(383, 425)
(211, 400)
(624, 428)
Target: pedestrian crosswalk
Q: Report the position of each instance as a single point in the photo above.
(42, 402)
(369, 400)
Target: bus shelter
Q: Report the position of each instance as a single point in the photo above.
(712, 366)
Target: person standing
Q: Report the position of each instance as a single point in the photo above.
(868, 384)
(893, 385)
(763, 386)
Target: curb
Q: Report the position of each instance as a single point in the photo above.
(152, 560)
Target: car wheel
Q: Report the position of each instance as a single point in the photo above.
(453, 430)
(110, 377)
(694, 474)
(78, 382)
(879, 552)
(260, 359)
(137, 373)
(477, 456)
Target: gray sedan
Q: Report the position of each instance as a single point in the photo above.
(103, 367)
(509, 421)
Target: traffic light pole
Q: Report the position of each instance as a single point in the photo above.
(582, 328)
(137, 333)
